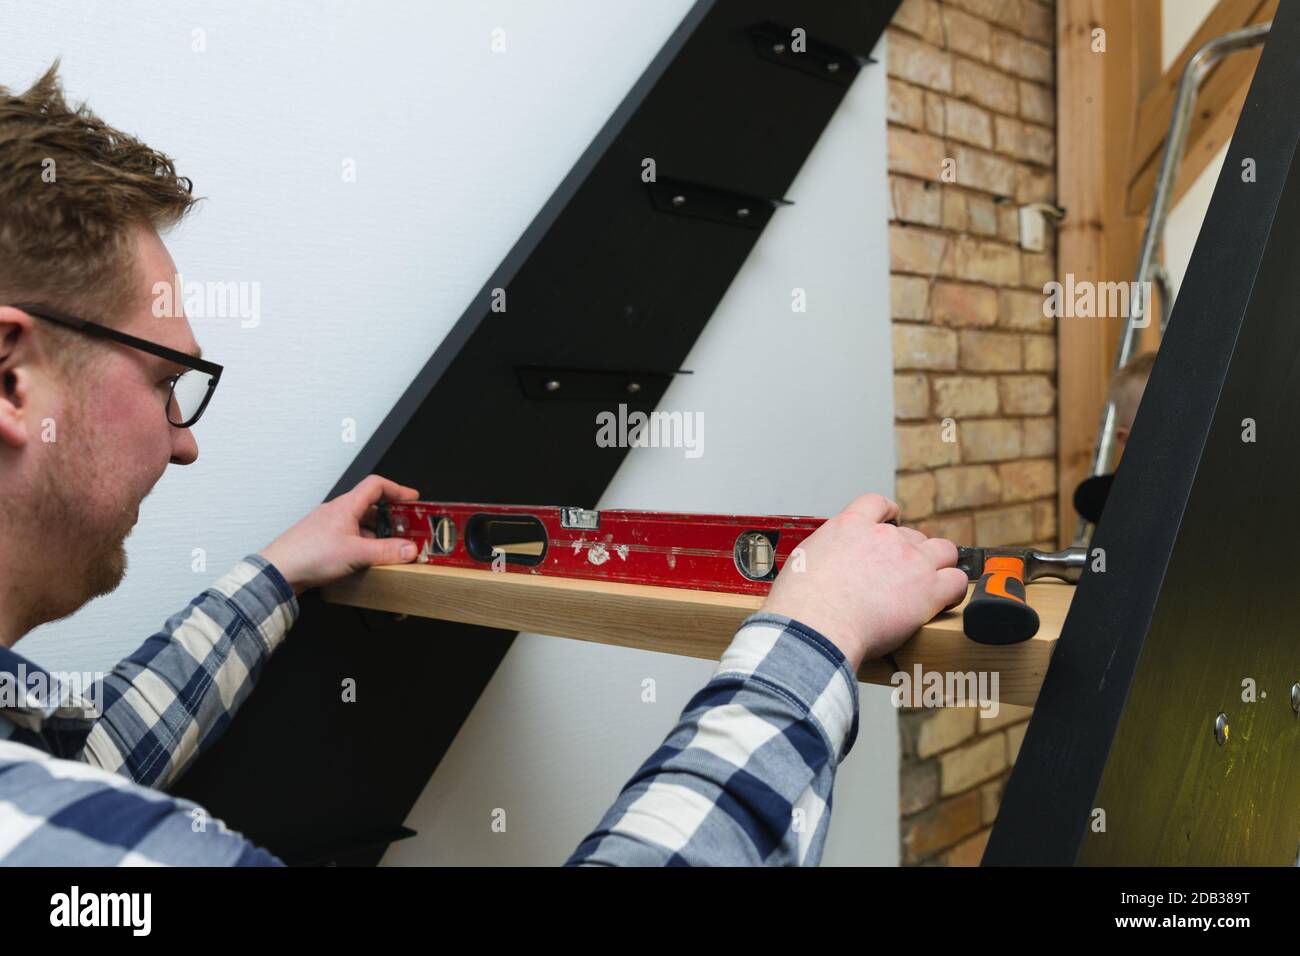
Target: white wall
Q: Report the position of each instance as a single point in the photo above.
(263, 121)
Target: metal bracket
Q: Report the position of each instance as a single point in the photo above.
(776, 43)
(601, 385)
(699, 201)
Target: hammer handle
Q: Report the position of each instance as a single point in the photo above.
(997, 613)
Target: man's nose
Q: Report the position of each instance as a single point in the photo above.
(184, 448)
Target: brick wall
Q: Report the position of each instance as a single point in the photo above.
(971, 137)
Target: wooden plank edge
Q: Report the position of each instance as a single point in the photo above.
(687, 623)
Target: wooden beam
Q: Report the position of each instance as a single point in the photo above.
(677, 621)
(1097, 97)
(1217, 106)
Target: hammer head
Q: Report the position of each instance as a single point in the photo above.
(1066, 565)
(971, 560)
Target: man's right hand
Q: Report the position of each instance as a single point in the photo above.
(865, 585)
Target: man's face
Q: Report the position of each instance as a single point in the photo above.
(113, 440)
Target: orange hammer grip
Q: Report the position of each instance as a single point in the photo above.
(997, 612)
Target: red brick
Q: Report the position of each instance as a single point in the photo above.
(911, 397)
(954, 210)
(918, 62)
(915, 201)
(905, 104)
(909, 297)
(985, 86)
(956, 528)
(989, 351)
(940, 826)
(1026, 480)
(1038, 144)
(915, 495)
(968, 123)
(918, 787)
(944, 729)
(983, 215)
(967, 766)
(988, 172)
(982, 261)
(962, 304)
(966, 486)
(995, 439)
(1045, 519)
(1036, 271)
(1008, 223)
(1040, 353)
(919, 251)
(921, 17)
(936, 117)
(924, 347)
(1027, 394)
(966, 34)
(922, 446)
(1037, 103)
(1023, 58)
(1023, 311)
(1039, 440)
(1035, 185)
(1004, 526)
(965, 396)
(915, 154)
(1006, 13)
(1037, 22)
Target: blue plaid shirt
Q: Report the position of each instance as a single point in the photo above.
(76, 775)
(744, 778)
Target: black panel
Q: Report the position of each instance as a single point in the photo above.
(1197, 593)
(603, 281)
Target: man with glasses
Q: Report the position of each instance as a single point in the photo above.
(98, 395)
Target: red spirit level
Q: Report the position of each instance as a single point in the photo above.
(740, 554)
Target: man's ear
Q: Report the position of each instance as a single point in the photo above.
(15, 375)
(1121, 435)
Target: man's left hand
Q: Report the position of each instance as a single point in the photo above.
(338, 538)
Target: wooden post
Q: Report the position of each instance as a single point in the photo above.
(1098, 92)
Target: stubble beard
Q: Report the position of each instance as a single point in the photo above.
(67, 523)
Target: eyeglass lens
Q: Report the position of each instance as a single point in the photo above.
(188, 394)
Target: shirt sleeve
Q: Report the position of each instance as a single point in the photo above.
(63, 813)
(745, 777)
(170, 700)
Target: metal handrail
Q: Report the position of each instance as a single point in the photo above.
(1149, 268)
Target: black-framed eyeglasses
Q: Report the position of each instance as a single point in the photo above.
(191, 390)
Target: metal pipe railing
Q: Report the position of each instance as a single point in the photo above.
(1149, 267)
